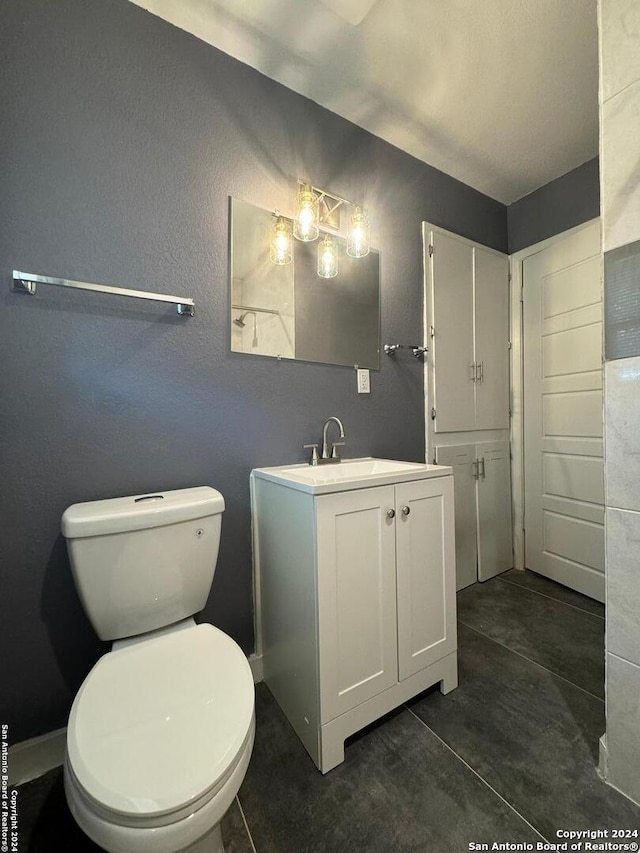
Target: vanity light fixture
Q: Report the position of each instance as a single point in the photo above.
(327, 257)
(306, 222)
(281, 249)
(358, 235)
(316, 207)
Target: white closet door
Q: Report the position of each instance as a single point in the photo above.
(452, 346)
(461, 458)
(491, 330)
(495, 526)
(564, 492)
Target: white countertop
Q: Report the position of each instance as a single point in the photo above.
(349, 474)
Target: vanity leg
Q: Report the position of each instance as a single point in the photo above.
(331, 749)
(449, 680)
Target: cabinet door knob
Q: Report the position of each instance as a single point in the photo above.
(406, 510)
(391, 513)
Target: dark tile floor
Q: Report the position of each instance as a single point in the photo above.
(510, 755)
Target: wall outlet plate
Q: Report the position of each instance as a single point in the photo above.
(363, 381)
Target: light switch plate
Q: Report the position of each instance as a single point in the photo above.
(363, 381)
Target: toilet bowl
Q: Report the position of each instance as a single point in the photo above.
(161, 731)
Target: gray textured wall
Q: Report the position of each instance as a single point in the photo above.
(122, 139)
(562, 204)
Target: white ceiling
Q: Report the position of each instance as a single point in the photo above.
(501, 94)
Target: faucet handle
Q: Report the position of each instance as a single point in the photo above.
(335, 454)
(314, 453)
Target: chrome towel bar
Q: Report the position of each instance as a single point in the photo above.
(418, 351)
(26, 282)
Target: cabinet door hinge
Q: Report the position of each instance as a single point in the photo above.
(522, 294)
(430, 250)
(508, 344)
(432, 331)
(433, 414)
(510, 278)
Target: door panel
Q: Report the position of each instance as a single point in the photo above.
(491, 329)
(574, 539)
(461, 458)
(425, 548)
(572, 351)
(564, 493)
(573, 288)
(356, 598)
(452, 352)
(572, 414)
(573, 477)
(495, 526)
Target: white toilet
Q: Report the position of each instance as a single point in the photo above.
(161, 731)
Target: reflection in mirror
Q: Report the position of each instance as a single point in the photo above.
(262, 297)
(288, 311)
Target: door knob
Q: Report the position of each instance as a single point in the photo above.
(406, 510)
(391, 513)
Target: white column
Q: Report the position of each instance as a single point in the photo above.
(619, 30)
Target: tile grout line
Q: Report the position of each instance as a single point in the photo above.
(551, 598)
(529, 660)
(246, 825)
(475, 773)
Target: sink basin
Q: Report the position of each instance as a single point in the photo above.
(349, 474)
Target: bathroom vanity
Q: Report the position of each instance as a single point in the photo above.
(355, 588)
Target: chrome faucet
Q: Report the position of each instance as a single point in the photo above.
(325, 456)
(335, 454)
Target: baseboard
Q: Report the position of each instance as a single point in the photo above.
(33, 758)
(603, 764)
(255, 662)
(603, 771)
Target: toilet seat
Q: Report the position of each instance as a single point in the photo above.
(159, 726)
(168, 838)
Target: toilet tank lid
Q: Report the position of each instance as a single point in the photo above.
(139, 512)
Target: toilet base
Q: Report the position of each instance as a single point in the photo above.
(209, 843)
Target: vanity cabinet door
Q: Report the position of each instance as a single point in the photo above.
(357, 624)
(462, 458)
(468, 311)
(491, 330)
(452, 356)
(426, 574)
(495, 527)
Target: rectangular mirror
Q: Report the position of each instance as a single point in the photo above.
(289, 311)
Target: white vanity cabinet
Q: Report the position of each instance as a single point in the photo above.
(357, 598)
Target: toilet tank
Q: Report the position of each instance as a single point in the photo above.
(146, 561)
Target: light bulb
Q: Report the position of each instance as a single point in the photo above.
(358, 236)
(305, 226)
(280, 252)
(327, 258)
